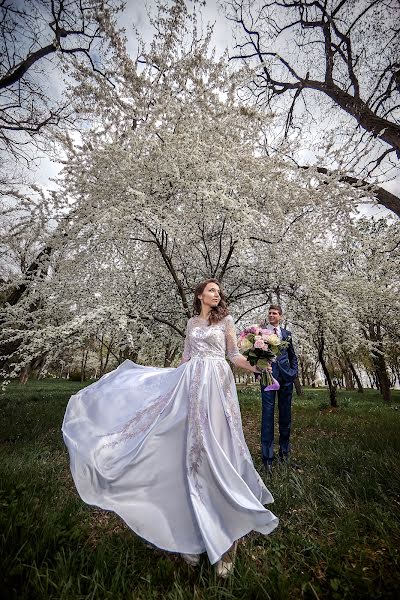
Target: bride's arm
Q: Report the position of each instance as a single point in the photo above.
(186, 349)
(232, 348)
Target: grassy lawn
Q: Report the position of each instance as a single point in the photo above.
(339, 535)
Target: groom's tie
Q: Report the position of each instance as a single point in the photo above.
(275, 331)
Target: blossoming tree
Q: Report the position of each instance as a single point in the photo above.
(170, 184)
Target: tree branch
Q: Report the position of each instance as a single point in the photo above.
(383, 197)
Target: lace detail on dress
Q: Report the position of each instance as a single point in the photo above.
(232, 409)
(232, 349)
(212, 341)
(207, 340)
(197, 416)
(140, 423)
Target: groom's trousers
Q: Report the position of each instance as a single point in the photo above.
(267, 421)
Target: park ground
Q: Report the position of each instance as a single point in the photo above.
(339, 533)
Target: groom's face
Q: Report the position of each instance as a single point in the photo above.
(274, 317)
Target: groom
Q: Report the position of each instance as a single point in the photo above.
(284, 369)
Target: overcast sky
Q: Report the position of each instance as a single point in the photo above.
(135, 15)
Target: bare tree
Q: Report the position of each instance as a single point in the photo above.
(41, 43)
(346, 51)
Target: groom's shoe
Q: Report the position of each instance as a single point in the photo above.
(268, 469)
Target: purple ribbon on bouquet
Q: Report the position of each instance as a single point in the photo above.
(272, 386)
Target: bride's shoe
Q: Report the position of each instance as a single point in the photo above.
(191, 559)
(224, 567)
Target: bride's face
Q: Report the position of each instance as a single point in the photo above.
(210, 296)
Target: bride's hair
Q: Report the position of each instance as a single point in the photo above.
(217, 313)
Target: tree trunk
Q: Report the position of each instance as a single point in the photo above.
(29, 370)
(314, 372)
(85, 354)
(297, 386)
(107, 357)
(170, 353)
(24, 375)
(377, 383)
(104, 364)
(331, 384)
(378, 358)
(383, 378)
(356, 377)
(371, 380)
(101, 354)
(303, 371)
(347, 374)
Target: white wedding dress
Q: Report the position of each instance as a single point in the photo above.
(164, 448)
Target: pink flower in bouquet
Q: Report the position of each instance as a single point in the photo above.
(254, 329)
(259, 344)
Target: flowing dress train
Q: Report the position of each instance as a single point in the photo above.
(164, 448)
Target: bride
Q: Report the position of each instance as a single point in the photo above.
(164, 448)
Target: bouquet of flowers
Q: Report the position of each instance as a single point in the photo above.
(261, 347)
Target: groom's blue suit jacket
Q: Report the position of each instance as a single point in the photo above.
(285, 367)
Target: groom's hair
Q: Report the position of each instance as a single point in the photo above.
(277, 307)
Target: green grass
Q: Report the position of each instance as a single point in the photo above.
(339, 535)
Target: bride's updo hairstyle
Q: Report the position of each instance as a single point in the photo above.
(217, 312)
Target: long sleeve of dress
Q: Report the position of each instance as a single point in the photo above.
(186, 349)
(232, 348)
